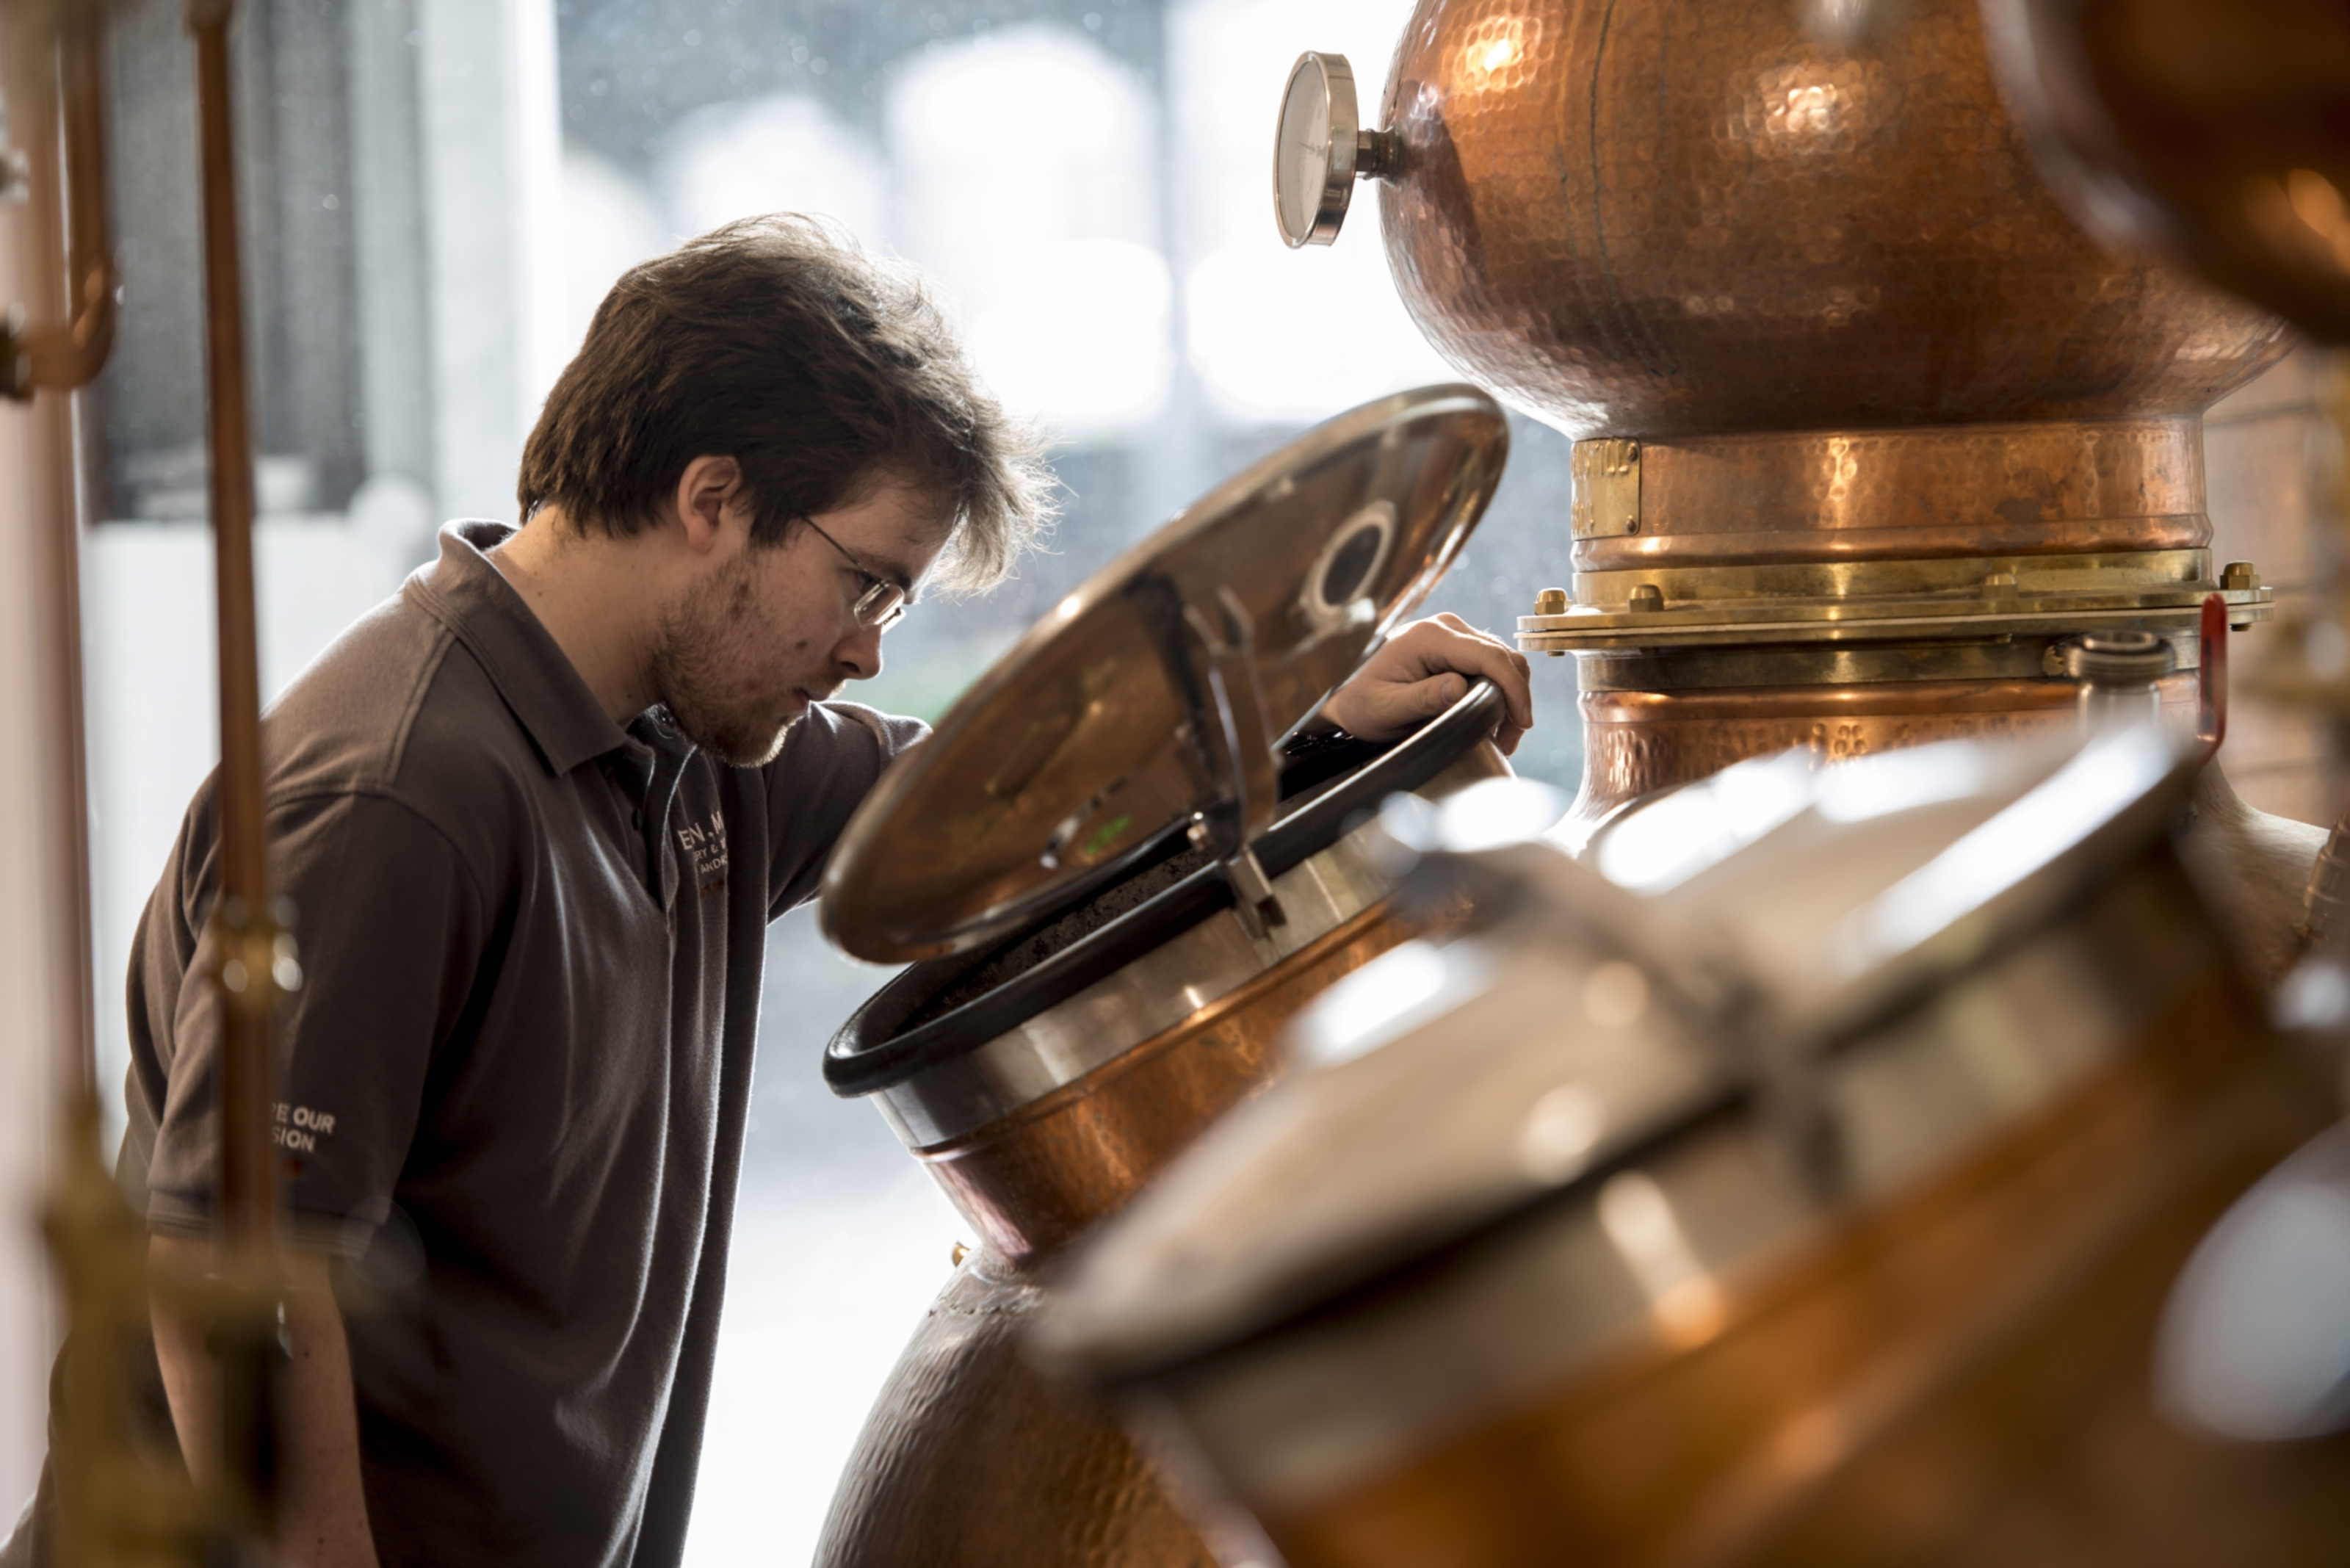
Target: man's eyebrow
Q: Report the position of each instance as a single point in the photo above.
(898, 577)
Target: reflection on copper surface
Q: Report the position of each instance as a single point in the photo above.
(2255, 1343)
(1373, 1005)
(1492, 48)
(1637, 741)
(1561, 1132)
(2111, 773)
(1667, 843)
(1811, 107)
(1812, 1443)
(1615, 994)
(1903, 781)
(2305, 214)
(1638, 1219)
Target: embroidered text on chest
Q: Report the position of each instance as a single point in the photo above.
(705, 841)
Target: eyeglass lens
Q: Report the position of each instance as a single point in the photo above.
(882, 605)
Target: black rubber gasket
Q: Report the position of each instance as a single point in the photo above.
(876, 1050)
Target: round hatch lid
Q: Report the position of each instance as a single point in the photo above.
(1079, 749)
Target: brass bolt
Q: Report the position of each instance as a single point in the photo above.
(1551, 601)
(961, 1251)
(1999, 586)
(2239, 575)
(1646, 596)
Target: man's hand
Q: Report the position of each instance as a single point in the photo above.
(1425, 669)
(322, 1518)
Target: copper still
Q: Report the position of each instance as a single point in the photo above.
(1865, 428)
(1119, 891)
(1038, 1129)
(1845, 1167)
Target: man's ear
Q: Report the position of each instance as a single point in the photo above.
(704, 493)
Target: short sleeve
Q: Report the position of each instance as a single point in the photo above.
(389, 924)
(831, 760)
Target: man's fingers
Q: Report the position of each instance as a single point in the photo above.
(1438, 693)
(1446, 642)
(1425, 669)
(1471, 650)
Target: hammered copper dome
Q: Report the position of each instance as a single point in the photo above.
(1627, 218)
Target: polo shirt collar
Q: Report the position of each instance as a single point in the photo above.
(533, 674)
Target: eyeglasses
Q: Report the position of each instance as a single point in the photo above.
(883, 604)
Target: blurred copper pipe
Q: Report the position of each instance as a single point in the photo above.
(242, 915)
(67, 354)
(251, 953)
(51, 53)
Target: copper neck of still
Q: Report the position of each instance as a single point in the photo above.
(1855, 591)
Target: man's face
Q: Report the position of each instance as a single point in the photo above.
(744, 649)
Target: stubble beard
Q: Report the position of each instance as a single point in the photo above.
(698, 655)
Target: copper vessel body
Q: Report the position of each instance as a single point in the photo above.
(1630, 219)
(2003, 489)
(1873, 1402)
(1637, 741)
(973, 1458)
(1820, 287)
(1052, 1169)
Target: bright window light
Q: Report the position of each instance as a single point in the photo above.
(610, 224)
(1079, 337)
(1282, 335)
(1277, 335)
(1026, 187)
(784, 154)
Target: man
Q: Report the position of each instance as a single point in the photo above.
(536, 813)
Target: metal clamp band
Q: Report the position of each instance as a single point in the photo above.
(1903, 600)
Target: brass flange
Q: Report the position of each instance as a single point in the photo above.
(1700, 668)
(1916, 600)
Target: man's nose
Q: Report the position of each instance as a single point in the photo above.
(859, 653)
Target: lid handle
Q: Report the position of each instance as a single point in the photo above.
(1209, 654)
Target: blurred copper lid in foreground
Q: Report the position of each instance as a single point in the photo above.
(1775, 914)
(1153, 696)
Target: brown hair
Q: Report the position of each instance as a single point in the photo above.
(818, 367)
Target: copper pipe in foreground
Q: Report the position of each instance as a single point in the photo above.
(254, 953)
(52, 80)
(67, 354)
(114, 1505)
(247, 1194)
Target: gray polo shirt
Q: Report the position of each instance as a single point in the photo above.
(513, 1085)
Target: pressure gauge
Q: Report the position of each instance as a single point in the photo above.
(1321, 149)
